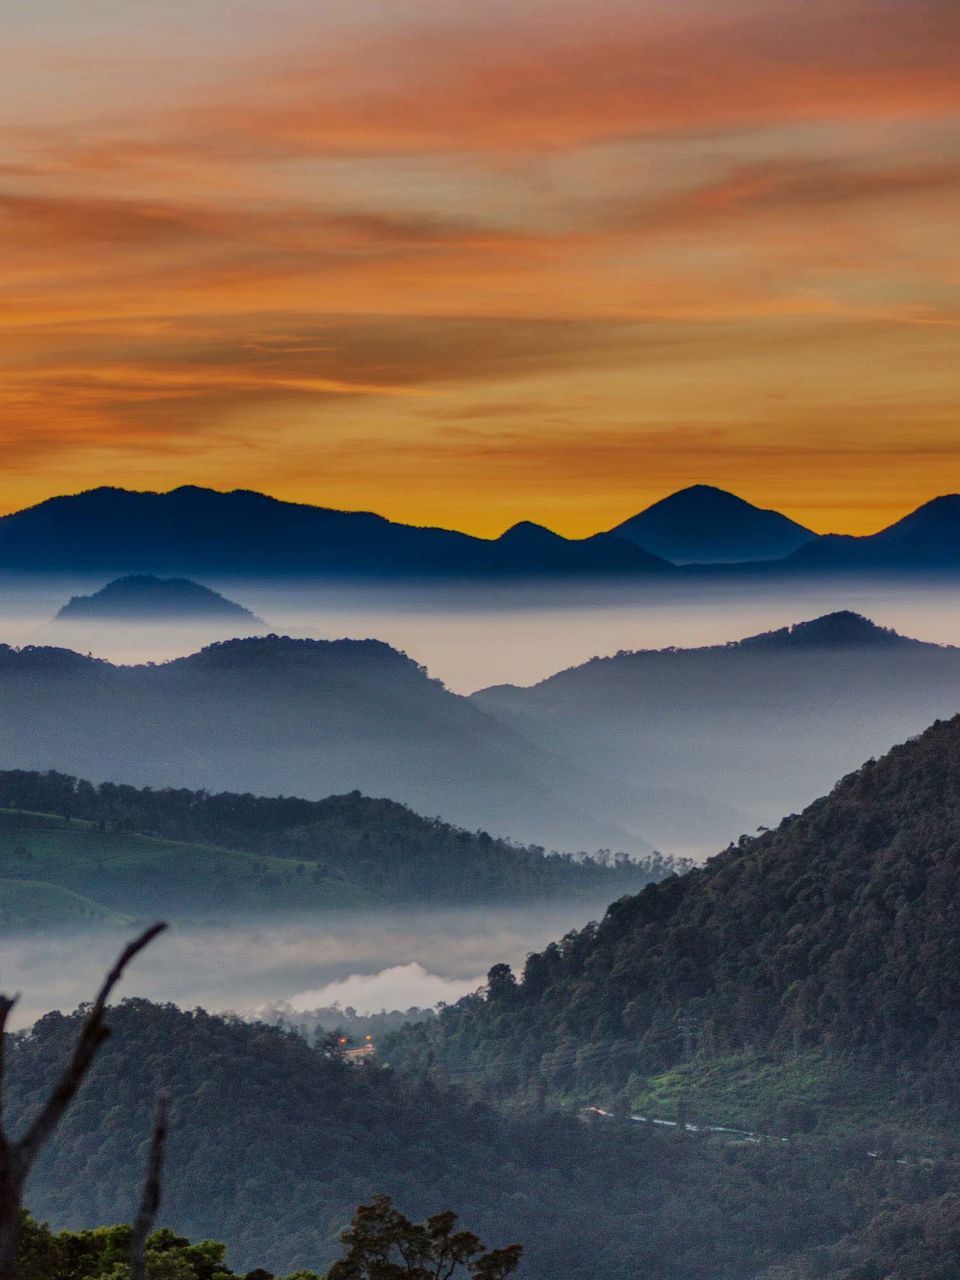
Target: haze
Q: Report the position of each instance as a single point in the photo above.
(471, 638)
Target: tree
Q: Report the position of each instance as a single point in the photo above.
(17, 1156)
(382, 1244)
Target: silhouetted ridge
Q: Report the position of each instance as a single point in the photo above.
(928, 538)
(193, 531)
(840, 630)
(274, 653)
(145, 597)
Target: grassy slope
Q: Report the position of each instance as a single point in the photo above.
(134, 874)
(32, 904)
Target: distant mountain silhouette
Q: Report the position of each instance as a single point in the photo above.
(273, 715)
(199, 531)
(764, 724)
(541, 551)
(928, 538)
(704, 525)
(145, 598)
(841, 630)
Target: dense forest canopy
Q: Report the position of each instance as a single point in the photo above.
(378, 847)
(833, 934)
(273, 1144)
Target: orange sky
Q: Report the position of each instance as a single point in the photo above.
(465, 264)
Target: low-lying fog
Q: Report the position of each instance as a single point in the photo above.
(394, 960)
(497, 634)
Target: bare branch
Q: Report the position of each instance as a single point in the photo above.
(152, 1190)
(17, 1157)
(92, 1035)
(6, 1005)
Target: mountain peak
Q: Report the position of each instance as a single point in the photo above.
(706, 525)
(842, 629)
(529, 531)
(144, 597)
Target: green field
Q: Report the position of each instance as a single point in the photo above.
(55, 871)
(32, 904)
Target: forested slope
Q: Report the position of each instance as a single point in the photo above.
(142, 850)
(834, 935)
(273, 1145)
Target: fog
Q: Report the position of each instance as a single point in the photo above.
(473, 637)
(391, 960)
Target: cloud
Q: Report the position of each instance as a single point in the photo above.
(403, 986)
(377, 226)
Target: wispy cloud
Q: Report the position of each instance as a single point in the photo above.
(561, 224)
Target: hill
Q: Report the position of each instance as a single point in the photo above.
(704, 525)
(927, 539)
(67, 871)
(821, 956)
(196, 531)
(272, 1145)
(765, 723)
(145, 598)
(193, 852)
(276, 715)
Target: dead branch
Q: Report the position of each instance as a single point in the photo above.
(17, 1157)
(152, 1191)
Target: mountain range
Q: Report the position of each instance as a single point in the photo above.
(196, 531)
(679, 750)
(276, 715)
(763, 724)
(202, 531)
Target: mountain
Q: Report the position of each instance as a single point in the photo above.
(201, 854)
(824, 953)
(145, 598)
(765, 723)
(273, 1144)
(195, 531)
(543, 552)
(927, 539)
(276, 715)
(704, 525)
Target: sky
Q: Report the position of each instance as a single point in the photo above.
(467, 263)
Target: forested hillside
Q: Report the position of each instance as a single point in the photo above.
(831, 940)
(272, 1146)
(141, 850)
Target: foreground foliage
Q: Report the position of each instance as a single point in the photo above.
(380, 1244)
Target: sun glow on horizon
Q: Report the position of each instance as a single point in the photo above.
(545, 261)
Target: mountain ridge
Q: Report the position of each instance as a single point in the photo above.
(191, 531)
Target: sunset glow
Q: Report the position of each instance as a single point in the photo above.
(470, 265)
